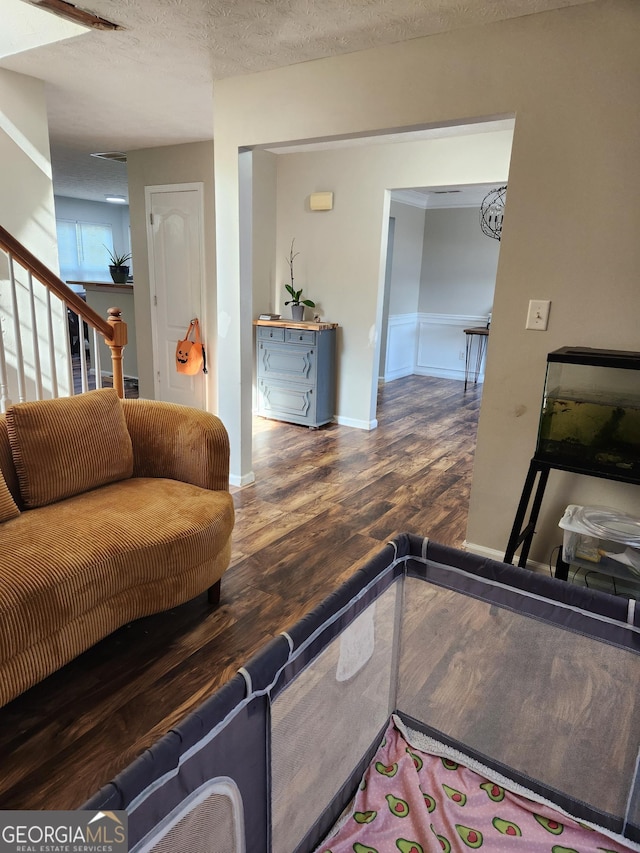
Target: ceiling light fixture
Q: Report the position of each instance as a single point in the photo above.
(116, 199)
(492, 212)
(72, 13)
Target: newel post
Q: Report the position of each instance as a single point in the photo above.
(116, 345)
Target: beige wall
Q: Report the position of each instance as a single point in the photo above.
(459, 263)
(172, 164)
(406, 264)
(27, 212)
(26, 191)
(571, 77)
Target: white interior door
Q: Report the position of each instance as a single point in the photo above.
(175, 236)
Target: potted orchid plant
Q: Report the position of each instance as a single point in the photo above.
(296, 301)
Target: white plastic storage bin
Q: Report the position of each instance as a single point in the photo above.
(601, 535)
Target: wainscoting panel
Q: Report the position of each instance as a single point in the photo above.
(441, 344)
(401, 346)
(429, 345)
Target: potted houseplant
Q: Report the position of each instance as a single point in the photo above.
(118, 266)
(297, 304)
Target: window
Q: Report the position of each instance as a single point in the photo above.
(81, 249)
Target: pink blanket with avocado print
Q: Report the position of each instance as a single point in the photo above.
(414, 802)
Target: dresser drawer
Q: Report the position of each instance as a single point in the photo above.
(300, 336)
(284, 361)
(271, 333)
(289, 401)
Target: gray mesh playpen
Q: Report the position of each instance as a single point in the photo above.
(535, 678)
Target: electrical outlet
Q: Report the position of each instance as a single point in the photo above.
(461, 355)
(538, 314)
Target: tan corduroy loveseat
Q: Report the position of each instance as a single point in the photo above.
(110, 510)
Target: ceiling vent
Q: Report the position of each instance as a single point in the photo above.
(118, 156)
(445, 192)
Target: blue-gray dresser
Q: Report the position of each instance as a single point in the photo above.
(296, 371)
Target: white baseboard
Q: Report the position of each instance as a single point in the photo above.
(244, 480)
(439, 372)
(400, 373)
(356, 424)
(483, 551)
(492, 554)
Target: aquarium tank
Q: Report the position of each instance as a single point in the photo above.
(590, 418)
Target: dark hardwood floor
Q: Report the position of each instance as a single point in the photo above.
(324, 501)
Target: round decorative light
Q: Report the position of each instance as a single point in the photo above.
(492, 212)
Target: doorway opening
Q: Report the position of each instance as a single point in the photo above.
(440, 277)
(342, 255)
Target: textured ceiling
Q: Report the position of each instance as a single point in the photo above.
(150, 83)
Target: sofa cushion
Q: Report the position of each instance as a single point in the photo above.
(8, 508)
(96, 561)
(69, 445)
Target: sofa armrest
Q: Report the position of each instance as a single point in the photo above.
(178, 442)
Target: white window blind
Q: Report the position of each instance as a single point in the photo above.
(81, 249)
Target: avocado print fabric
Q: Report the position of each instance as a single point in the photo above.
(414, 802)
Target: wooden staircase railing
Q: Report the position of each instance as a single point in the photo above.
(113, 329)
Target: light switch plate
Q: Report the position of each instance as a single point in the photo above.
(538, 314)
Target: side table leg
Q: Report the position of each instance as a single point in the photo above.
(482, 349)
(479, 355)
(467, 359)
